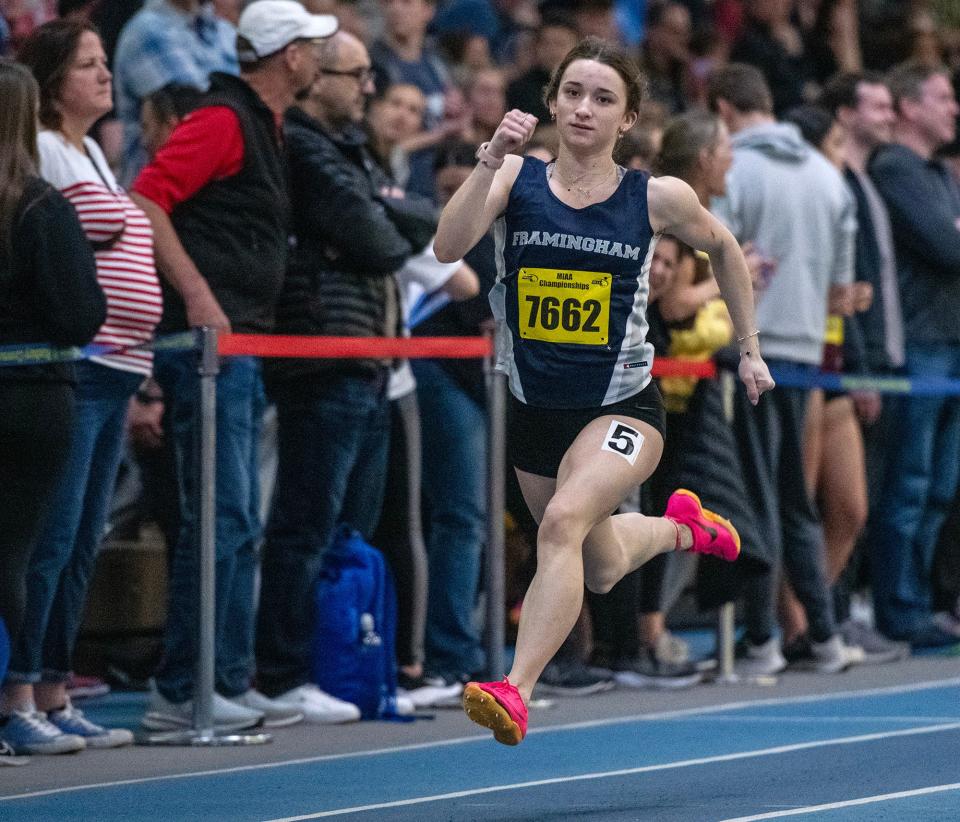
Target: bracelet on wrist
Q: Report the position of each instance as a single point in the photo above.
(748, 336)
(487, 159)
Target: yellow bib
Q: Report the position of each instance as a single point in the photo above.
(564, 306)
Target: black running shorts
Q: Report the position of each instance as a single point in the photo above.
(539, 437)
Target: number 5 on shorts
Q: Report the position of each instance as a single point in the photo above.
(623, 440)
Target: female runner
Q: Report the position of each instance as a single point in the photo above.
(574, 242)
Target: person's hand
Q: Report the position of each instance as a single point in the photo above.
(144, 422)
(204, 310)
(754, 260)
(755, 376)
(862, 296)
(761, 267)
(840, 300)
(868, 405)
(512, 134)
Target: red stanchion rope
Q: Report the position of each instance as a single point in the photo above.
(270, 345)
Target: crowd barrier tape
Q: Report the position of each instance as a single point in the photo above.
(285, 346)
(917, 386)
(43, 354)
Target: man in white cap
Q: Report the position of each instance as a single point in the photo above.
(216, 195)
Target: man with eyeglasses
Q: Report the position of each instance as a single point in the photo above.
(216, 195)
(351, 234)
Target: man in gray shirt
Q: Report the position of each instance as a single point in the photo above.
(786, 199)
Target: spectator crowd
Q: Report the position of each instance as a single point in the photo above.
(278, 167)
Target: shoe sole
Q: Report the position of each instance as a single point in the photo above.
(809, 666)
(629, 679)
(160, 722)
(282, 722)
(34, 750)
(586, 690)
(706, 513)
(483, 709)
(325, 719)
(114, 739)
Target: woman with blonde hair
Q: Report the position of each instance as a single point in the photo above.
(48, 294)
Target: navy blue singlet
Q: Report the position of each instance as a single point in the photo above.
(571, 293)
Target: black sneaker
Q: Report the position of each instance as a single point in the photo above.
(646, 671)
(570, 677)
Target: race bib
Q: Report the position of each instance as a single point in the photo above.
(564, 306)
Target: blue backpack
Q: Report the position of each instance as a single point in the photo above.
(356, 623)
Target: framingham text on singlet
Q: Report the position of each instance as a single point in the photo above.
(577, 243)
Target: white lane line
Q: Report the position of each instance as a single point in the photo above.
(683, 763)
(891, 690)
(849, 803)
(485, 737)
(818, 720)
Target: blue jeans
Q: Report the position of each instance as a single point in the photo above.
(454, 485)
(921, 478)
(65, 554)
(240, 406)
(333, 439)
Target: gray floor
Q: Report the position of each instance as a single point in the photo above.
(93, 767)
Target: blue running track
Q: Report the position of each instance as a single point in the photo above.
(887, 754)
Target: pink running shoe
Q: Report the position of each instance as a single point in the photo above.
(499, 707)
(712, 534)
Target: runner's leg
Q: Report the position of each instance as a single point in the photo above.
(590, 484)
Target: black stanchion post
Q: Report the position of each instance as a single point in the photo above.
(207, 508)
(726, 625)
(494, 555)
(203, 733)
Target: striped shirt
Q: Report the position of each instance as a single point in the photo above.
(122, 239)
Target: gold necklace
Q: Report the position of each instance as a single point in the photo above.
(583, 192)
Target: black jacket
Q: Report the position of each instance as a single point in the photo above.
(48, 283)
(348, 240)
(864, 349)
(235, 229)
(924, 205)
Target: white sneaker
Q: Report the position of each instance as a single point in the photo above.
(429, 692)
(834, 655)
(276, 714)
(761, 660)
(71, 720)
(319, 707)
(670, 648)
(403, 705)
(947, 623)
(163, 715)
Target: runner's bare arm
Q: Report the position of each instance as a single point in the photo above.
(675, 209)
(484, 195)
